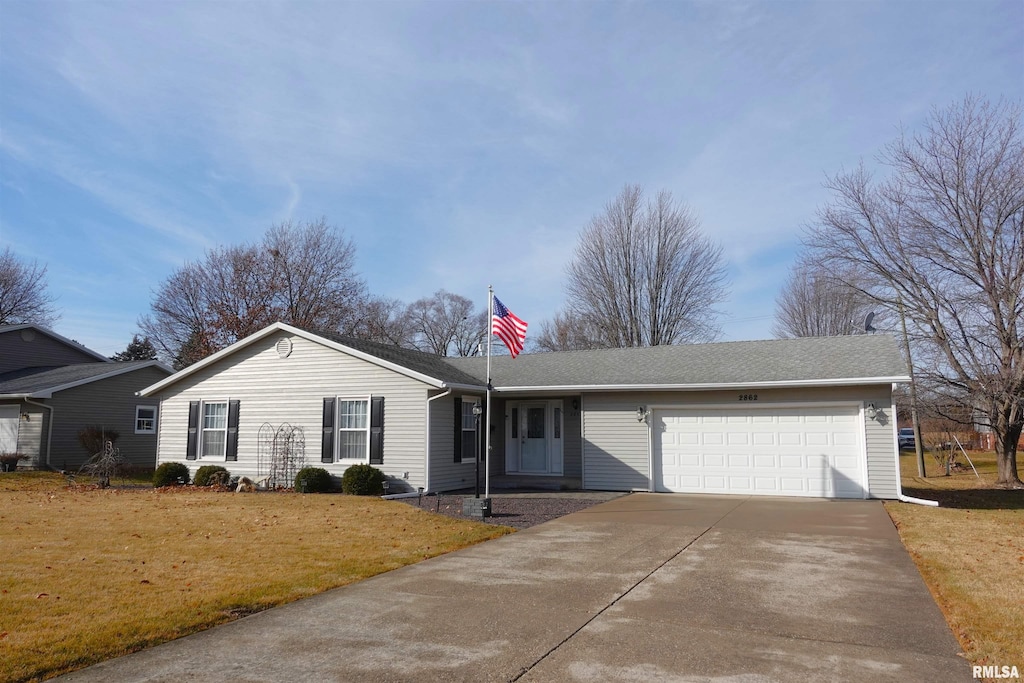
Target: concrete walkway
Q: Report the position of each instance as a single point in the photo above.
(647, 587)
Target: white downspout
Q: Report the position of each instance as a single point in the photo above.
(426, 464)
(899, 476)
(49, 426)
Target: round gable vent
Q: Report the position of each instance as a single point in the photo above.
(28, 335)
(284, 347)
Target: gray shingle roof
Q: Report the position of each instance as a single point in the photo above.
(810, 359)
(424, 363)
(42, 380)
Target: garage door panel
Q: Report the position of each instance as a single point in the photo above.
(740, 484)
(817, 439)
(809, 451)
(844, 439)
(712, 438)
(737, 460)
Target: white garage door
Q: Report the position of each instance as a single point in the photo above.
(792, 451)
(8, 429)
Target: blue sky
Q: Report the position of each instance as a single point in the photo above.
(458, 144)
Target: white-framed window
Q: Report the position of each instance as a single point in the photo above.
(213, 439)
(354, 429)
(469, 438)
(145, 419)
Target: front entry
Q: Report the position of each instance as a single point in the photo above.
(533, 441)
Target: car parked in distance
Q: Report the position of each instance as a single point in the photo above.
(906, 438)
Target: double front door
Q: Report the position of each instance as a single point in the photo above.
(533, 437)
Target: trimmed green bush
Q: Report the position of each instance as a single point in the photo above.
(313, 480)
(171, 474)
(205, 473)
(362, 480)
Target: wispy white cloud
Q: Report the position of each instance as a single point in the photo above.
(460, 144)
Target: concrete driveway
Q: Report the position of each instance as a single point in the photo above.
(647, 587)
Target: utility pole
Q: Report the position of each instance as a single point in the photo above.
(918, 446)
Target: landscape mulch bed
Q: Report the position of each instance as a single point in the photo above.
(517, 512)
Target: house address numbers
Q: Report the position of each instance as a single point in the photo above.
(748, 397)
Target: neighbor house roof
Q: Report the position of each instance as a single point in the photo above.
(824, 361)
(44, 382)
(50, 333)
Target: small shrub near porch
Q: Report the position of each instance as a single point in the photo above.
(362, 480)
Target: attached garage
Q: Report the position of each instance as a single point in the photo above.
(802, 450)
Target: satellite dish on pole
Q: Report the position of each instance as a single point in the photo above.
(867, 322)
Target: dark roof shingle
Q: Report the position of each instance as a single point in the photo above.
(808, 359)
(43, 379)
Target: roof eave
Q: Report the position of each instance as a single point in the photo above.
(784, 384)
(50, 391)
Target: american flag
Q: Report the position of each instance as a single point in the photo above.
(508, 327)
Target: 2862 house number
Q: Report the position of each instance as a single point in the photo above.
(748, 397)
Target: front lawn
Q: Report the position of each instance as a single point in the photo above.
(88, 574)
(970, 552)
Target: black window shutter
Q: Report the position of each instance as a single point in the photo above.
(232, 446)
(458, 429)
(377, 430)
(192, 445)
(327, 443)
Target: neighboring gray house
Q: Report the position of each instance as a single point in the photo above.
(52, 387)
(803, 417)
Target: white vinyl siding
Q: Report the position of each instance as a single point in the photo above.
(879, 440)
(615, 452)
(445, 473)
(291, 390)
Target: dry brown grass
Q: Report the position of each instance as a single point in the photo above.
(970, 552)
(90, 574)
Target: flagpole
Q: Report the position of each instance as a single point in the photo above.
(487, 414)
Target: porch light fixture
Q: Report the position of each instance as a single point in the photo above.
(26, 417)
(641, 413)
(871, 410)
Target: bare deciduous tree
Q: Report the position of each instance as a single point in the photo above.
(643, 274)
(567, 332)
(299, 274)
(446, 324)
(23, 295)
(383, 320)
(815, 302)
(944, 234)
